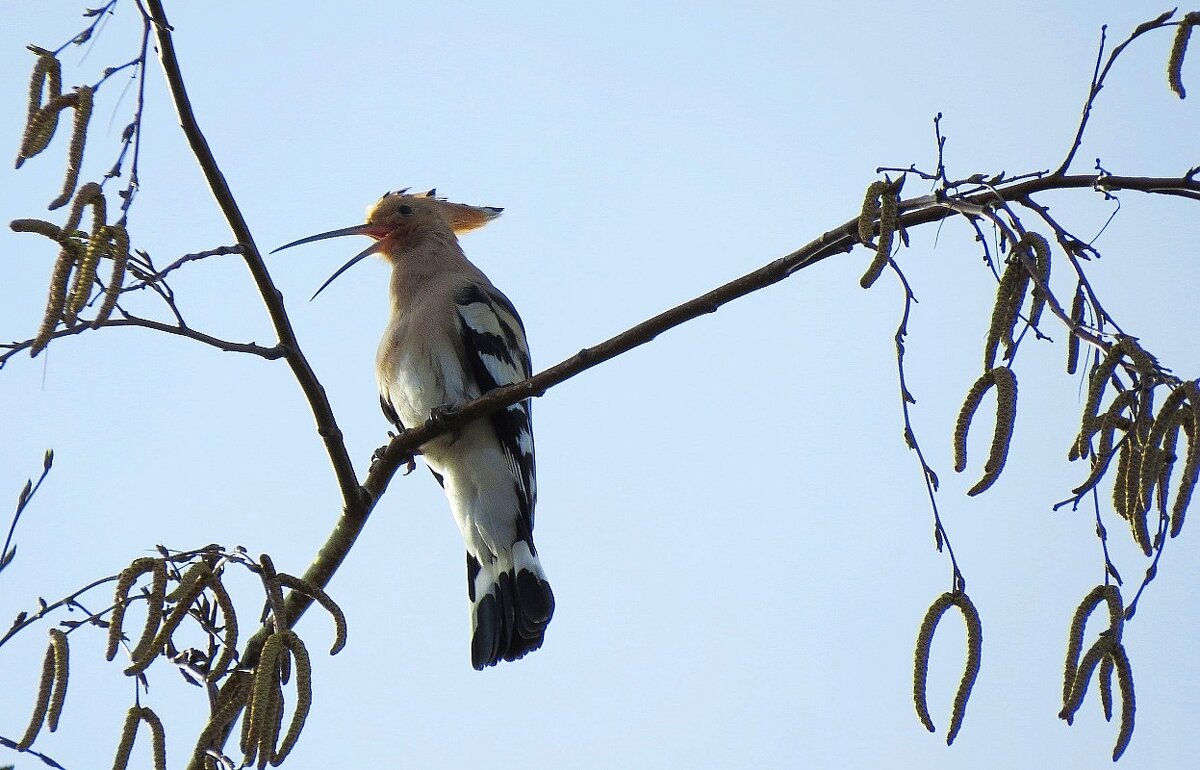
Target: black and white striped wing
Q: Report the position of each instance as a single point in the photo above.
(497, 354)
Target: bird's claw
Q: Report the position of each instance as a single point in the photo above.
(410, 461)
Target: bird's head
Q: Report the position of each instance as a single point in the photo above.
(398, 221)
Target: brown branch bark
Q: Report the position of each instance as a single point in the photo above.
(270, 353)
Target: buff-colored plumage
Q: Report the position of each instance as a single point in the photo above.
(451, 337)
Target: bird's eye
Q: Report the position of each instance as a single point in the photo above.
(406, 211)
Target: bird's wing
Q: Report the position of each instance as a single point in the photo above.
(497, 354)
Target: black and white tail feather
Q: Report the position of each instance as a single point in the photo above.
(511, 601)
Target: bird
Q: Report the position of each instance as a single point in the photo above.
(451, 337)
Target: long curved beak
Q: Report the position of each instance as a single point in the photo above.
(364, 229)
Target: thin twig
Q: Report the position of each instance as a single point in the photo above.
(84, 35)
(46, 609)
(8, 743)
(161, 274)
(271, 353)
(27, 494)
(941, 536)
(1098, 81)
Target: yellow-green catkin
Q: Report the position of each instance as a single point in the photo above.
(42, 705)
(155, 604)
(125, 581)
(128, 734)
(971, 670)
(888, 197)
(1191, 466)
(322, 598)
(62, 672)
(303, 696)
(229, 618)
(1179, 51)
(1077, 305)
(974, 660)
(45, 86)
(1075, 638)
(965, 415)
(39, 226)
(1106, 673)
(921, 657)
(1128, 704)
(118, 243)
(158, 738)
(191, 583)
(97, 246)
(264, 713)
(1006, 417)
(1041, 255)
(56, 299)
(1010, 295)
(1097, 383)
(870, 211)
(83, 113)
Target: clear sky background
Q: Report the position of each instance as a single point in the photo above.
(738, 539)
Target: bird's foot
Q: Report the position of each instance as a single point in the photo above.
(409, 461)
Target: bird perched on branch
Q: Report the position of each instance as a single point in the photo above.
(452, 337)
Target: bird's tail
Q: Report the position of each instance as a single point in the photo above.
(511, 605)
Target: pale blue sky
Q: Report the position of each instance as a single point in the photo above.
(733, 589)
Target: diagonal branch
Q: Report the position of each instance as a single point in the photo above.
(842, 239)
(839, 240)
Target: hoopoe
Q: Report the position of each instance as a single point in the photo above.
(452, 337)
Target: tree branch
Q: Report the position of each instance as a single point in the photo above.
(271, 353)
(161, 274)
(313, 391)
(842, 239)
(1098, 80)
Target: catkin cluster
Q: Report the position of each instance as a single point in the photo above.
(255, 687)
(882, 202)
(264, 716)
(1005, 381)
(158, 738)
(52, 689)
(1142, 442)
(970, 615)
(46, 102)
(1108, 655)
(80, 252)
(1028, 257)
(161, 625)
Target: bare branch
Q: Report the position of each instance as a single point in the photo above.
(161, 274)
(271, 353)
(1098, 81)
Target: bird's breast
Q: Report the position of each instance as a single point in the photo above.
(419, 368)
